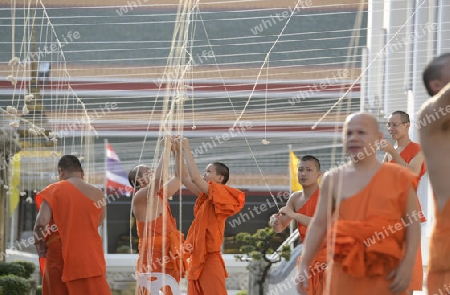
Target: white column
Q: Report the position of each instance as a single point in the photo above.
(375, 42)
(397, 56)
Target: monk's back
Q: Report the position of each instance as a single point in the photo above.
(87, 189)
(77, 217)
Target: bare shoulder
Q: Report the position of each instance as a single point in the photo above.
(141, 195)
(295, 196)
(94, 191)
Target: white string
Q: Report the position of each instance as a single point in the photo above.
(368, 66)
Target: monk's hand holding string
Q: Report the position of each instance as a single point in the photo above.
(274, 219)
(386, 146)
(401, 277)
(287, 211)
(41, 248)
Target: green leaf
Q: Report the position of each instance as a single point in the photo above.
(240, 237)
(255, 255)
(246, 249)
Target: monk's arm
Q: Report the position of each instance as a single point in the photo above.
(403, 273)
(396, 157)
(303, 219)
(43, 218)
(318, 227)
(415, 165)
(194, 173)
(184, 175)
(103, 214)
(159, 172)
(412, 230)
(280, 221)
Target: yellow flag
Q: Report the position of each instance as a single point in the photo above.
(293, 171)
(14, 198)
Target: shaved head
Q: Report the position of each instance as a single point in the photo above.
(365, 118)
(361, 136)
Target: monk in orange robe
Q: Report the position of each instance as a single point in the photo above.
(215, 203)
(374, 228)
(408, 154)
(160, 242)
(72, 205)
(434, 134)
(301, 207)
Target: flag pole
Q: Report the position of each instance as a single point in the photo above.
(291, 224)
(105, 191)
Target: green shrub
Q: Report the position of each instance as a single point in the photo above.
(242, 292)
(14, 285)
(1, 291)
(39, 290)
(29, 268)
(12, 269)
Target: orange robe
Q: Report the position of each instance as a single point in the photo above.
(160, 248)
(369, 235)
(317, 268)
(410, 151)
(438, 281)
(51, 266)
(77, 217)
(207, 273)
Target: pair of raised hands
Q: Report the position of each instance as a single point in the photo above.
(177, 143)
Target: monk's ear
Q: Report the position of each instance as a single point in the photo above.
(435, 85)
(220, 179)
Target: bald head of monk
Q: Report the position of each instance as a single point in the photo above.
(69, 166)
(437, 74)
(361, 136)
(216, 172)
(139, 176)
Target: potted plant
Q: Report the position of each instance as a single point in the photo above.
(257, 249)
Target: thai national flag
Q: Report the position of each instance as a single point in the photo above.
(116, 175)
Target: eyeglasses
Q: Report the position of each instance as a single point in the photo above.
(395, 125)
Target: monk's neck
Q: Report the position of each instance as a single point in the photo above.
(367, 164)
(72, 176)
(403, 142)
(310, 190)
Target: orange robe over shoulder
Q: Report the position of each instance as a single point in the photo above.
(369, 235)
(207, 273)
(77, 217)
(160, 248)
(317, 268)
(410, 151)
(438, 280)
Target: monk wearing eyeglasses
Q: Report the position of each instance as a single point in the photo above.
(407, 154)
